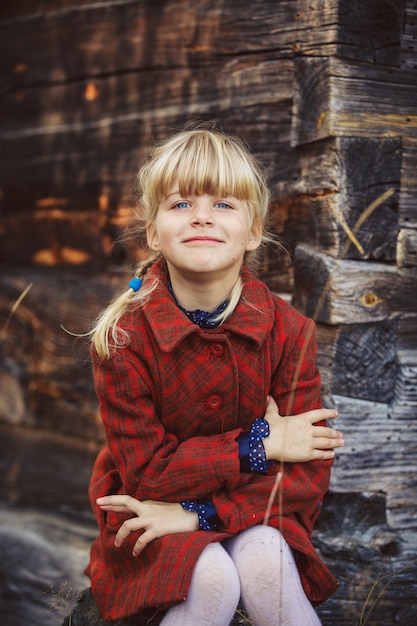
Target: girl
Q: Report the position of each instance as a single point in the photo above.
(217, 455)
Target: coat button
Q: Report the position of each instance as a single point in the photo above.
(213, 402)
(216, 349)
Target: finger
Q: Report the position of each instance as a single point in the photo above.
(324, 443)
(114, 508)
(323, 455)
(129, 526)
(143, 541)
(271, 404)
(325, 431)
(125, 502)
(318, 415)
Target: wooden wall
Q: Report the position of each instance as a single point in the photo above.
(325, 92)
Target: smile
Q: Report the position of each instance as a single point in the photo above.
(202, 240)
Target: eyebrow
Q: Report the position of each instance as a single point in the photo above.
(173, 193)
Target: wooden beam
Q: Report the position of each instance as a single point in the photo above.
(367, 31)
(408, 185)
(338, 179)
(44, 351)
(352, 292)
(380, 454)
(358, 360)
(25, 477)
(407, 247)
(334, 97)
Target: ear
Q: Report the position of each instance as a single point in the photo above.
(152, 237)
(254, 237)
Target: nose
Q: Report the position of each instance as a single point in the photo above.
(202, 211)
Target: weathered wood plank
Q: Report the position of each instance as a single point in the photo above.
(129, 35)
(408, 190)
(407, 341)
(53, 386)
(380, 454)
(79, 166)
(407, 247)
(368, 31)
(409, 37)
(375, 564)
(358, 360)
(55, 237)
(352, 292)
(338, 179)
(405, 398)
(141, 34)
(108, 100)
(25, 477)
(339, 98)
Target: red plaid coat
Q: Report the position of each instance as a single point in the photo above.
(173, 402)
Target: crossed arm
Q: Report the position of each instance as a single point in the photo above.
(294, 439)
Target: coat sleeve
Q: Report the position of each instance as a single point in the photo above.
(295, 385)
(151, 462)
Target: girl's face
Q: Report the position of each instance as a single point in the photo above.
(203, 234)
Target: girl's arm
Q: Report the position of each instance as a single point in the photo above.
(153, 519)
(296, 438)
(297, 481)
(153, 463)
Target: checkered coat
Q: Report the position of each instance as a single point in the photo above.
(173, 402)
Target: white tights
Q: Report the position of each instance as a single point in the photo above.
(256, 566)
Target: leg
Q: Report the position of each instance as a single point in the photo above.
(214, 592)
(270, 584)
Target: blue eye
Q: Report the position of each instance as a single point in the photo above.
(223, 205)
(182, 205)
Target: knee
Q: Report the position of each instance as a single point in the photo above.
(216, 571)
(260, 549)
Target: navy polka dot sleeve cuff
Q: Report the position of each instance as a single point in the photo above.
(251, 448)
(207, 516)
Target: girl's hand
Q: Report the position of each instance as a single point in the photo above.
(296, 439)
(155, 519)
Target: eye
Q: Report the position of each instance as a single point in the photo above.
(181, 205)
(223, 205)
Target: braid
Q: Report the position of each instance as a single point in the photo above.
(146, 264)
(106, 333)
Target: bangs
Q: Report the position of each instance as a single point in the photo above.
(203, 162)
(208, 164)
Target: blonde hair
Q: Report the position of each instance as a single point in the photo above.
(202, 160)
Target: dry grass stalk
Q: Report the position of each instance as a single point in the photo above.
(14, 309)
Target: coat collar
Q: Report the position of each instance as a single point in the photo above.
(253, 317)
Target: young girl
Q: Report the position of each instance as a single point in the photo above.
(217, 454)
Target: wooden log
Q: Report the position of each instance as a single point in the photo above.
(404, 404)
(408, 192)
(79, 167)
(53, 387)
(332, 192)
(351, 292)
(405, 397)
(83, 105)
(409, 36)
(27, 479)
(55, 237)
(379, 454)
(358, 360)
(368, 31)
(374, 563)
(340, 98)
(407, 341)
(407, 247)
(205, 33)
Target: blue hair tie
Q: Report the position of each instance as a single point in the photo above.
(135, 284)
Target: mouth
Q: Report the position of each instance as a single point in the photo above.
(202, 240)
